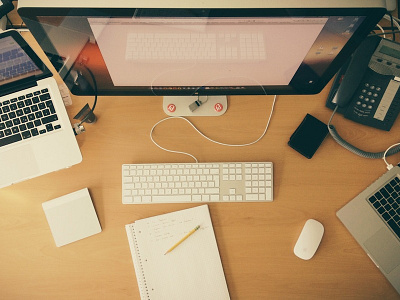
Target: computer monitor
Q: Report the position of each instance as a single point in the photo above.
(199, 48)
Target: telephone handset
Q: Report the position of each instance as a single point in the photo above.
(366, 89)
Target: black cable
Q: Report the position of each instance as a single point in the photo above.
(94, 86)
(9, 22)
(89, 114)
(382, 33)
(392, 25)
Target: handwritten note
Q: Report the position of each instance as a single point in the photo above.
(192, 271)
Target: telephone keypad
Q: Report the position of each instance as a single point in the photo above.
(367, 99)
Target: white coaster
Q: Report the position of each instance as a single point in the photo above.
(71, 217)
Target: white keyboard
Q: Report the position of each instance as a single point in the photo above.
(197, 182)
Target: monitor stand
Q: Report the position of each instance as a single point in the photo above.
(179, 106)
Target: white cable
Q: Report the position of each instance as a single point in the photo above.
(206, 137)
(389, 166)
(380, 27)
(395, 20)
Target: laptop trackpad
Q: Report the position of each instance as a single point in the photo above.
(385, 249)
(17, 164)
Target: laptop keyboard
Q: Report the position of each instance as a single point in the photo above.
(27, 116)
(15, 63)
(386, 202)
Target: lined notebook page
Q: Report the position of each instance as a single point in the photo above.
(193, 270)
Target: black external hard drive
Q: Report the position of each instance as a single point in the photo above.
(308, 136)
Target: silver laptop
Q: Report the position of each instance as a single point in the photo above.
(373, 218)
(36, 136)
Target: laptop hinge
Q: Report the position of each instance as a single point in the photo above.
(23, 84)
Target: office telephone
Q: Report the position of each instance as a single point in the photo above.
(366, 89)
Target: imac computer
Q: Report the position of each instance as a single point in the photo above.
(199, 50)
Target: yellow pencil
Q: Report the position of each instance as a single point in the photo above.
(184, 238)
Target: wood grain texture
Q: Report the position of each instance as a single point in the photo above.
(255, 240)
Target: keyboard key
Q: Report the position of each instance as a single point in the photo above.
(394, 227)
(372, 199)
(386, 216)
(49, 119)
(384, 192)
(172, 198)
(34, 132)
(44, 97)
(10, 139)
(49, 127)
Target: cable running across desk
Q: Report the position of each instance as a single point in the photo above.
(206, 137)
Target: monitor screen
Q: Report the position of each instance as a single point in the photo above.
(205, 51)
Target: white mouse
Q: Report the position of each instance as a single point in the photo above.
(309, 239)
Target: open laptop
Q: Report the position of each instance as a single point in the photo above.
(36, 136)
(373, 218)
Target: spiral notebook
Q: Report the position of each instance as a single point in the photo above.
(193, 270)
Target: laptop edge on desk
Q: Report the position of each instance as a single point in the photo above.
(372, 231)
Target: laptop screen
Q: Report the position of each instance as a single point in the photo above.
(15, 64)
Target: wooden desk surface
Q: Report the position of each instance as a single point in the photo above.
(255, 240)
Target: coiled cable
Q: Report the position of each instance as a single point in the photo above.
(373, 155)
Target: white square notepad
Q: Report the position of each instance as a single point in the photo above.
(71, 217)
